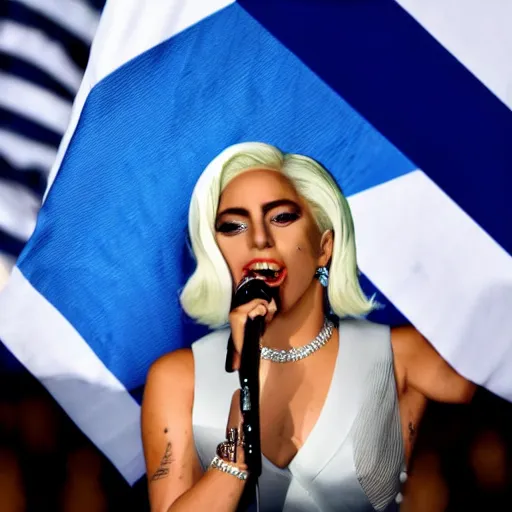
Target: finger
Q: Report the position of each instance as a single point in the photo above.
(235, 420)
(238, 318)
(272, 310)
(238, 330)
(245, 308)
(237, 359)
(260, 310)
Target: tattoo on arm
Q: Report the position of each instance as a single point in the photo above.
(412, 431)
(165, 463)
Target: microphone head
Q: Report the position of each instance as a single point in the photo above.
(250, 288)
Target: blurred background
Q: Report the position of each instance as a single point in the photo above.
(463, 457)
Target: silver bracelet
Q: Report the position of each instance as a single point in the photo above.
(218, 463)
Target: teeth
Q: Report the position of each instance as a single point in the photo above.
(263, 265)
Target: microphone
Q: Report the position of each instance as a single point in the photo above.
(249, 289)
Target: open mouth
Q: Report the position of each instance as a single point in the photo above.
(271, 272)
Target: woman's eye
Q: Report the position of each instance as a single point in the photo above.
(285, 218)
(231, 228)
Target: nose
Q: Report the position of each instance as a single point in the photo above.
(261, 236)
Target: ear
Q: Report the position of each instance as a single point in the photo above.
(326, 247)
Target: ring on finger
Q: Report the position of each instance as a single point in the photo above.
(227, 449)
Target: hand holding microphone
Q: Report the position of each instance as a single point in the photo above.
(254, 306)
(238, 319)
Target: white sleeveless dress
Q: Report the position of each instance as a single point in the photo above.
(353, 459)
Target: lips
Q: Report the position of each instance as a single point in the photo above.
(271, 271)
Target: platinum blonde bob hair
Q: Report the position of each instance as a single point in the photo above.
(207, 294)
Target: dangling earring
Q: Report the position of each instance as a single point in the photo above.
(322, 274)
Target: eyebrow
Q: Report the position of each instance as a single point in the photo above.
(265, 208)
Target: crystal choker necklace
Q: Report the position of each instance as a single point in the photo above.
(298, 353)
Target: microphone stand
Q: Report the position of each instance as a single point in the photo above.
(249, 375)
(250, 407)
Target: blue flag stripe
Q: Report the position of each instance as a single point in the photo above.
(378, 58)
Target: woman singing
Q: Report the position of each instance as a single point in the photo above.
(339, 407)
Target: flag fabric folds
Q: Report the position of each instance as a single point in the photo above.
(417, 137)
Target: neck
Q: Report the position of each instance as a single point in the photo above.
(301, 324)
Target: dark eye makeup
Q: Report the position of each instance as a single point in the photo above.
(281, 219)
(285, 217)
(231, 227)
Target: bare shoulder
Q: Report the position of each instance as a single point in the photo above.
(406, 339)
(168, 367)
(420, 366)
(410, 346)
(171, 375)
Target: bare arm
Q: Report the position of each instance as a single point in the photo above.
(175, 478)
(426, 371)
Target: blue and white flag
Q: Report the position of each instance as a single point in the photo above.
(397, 100)
(44, 48)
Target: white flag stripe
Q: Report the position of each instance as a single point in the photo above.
(72, 372)
(134, 27)
(478, 34)
(408, 252)
(18, 209)
(41, 106)
(76, 16)
(128, 28)
(22, 152)
(35, 47)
